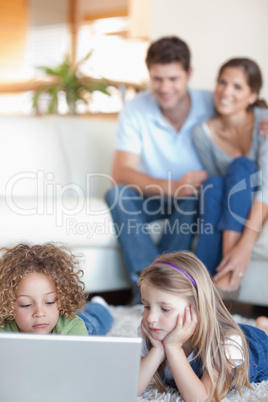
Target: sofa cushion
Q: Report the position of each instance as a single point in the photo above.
(88, 146)
(260, 250)
(78, 222)
(83, 222)
(30, 155)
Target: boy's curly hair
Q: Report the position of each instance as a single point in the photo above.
(57, 262)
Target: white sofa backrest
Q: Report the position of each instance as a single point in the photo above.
(89, 148)
(43, 154)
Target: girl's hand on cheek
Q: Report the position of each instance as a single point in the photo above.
(155, 343)
(183, 330)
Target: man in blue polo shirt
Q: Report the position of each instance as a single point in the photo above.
(156, 168)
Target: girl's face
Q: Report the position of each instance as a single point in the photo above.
(36, 309)
(232, 93)
(161, 310)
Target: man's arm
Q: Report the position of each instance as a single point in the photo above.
(125, 172)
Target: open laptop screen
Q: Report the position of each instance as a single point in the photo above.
(63, 368)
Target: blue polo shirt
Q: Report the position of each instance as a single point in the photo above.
(165, 153)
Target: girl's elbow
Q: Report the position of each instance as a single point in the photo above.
(141, 389)
(140, 393)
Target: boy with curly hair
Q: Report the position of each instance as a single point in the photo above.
(41, 292)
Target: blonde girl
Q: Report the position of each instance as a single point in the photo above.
(190, 339)
(41, 292)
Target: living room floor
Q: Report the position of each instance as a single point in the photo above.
(123, 297)
(246, 310)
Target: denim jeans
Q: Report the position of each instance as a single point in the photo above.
(97, 318)
(225, 205)
(132, 213)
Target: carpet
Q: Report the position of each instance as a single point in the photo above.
(126, 322)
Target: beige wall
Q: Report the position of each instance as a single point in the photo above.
(215, 31)
(13, 29)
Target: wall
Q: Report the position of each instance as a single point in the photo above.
(13, 28)
(215, 31)
(92, 9)
(48, 12)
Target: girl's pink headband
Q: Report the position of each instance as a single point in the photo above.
(179, 269)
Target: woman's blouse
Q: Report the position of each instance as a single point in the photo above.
(216, 161)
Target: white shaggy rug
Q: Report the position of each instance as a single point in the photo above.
(126, 322)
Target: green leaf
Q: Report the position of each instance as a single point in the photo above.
(70, 82)
(48, 70)
(87, 56)
(103, 89)
(35, 98)
(80, 97)
(86, 88)
(53, 104)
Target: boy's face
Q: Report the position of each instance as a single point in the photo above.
(36, 309)
(169, 84)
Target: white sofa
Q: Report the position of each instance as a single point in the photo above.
(54, 173)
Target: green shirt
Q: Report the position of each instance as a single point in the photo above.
(64, 326)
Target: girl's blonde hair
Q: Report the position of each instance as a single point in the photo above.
(215, 323)
(57, 262)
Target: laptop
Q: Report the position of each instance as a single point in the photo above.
(67, 368)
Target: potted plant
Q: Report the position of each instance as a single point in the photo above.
(68, 79)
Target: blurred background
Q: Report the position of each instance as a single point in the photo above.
(42, 32)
